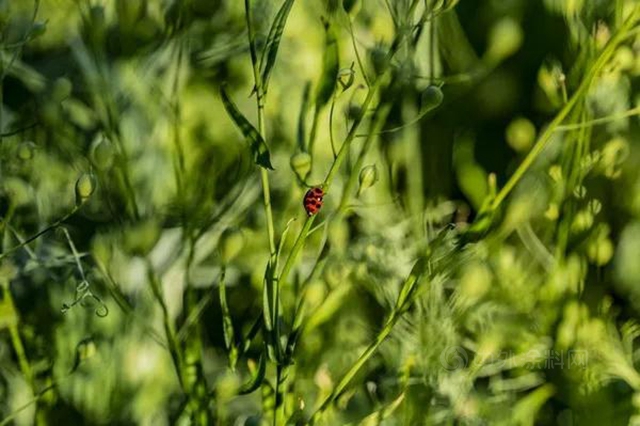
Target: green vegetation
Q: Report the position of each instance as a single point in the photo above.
(475, 258)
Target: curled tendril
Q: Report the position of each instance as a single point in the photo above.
(85, 298)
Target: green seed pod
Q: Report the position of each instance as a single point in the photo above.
(301, 165)
(353, 111)
(85, 186)
(614, 154)
(505, 38)
(18, 191)
(600, 251)
(521, 134)
(582, 221)
(61, 89)
(624, 58)
(26, 150)
(231, 243)
(102, 153)
(555, 172)
(368, 177)
(38, 29)
(86, 349)
(378, 58)
(346, 77)
(430, 98)
(141, 238)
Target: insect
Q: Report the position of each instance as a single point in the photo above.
(313, 200)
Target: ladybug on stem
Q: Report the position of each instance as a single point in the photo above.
(313, 200)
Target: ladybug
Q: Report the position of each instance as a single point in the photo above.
(313, 200)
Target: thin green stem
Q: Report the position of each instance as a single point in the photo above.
(544, 139)
(174, 347)
(344, 149)
(400, 307)
(16, 340)
(378, 122)
(41, 233)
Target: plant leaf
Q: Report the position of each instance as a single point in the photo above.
(257, 378)
(302, 118)
(270, 52)
(330, 67)
(259, 147)
(227, 324)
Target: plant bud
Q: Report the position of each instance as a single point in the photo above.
(26, 150)
(624, 58)
(505, 39)
(600, 251)
(582, 221)
(378, 57)
(38, 29)
(85, 186)
(614, 154)
(231, 243)
(141, 238)
(102, 153)
(368, 177)
(430, 98)
(61, 89)
(521, 134)
(301, 165)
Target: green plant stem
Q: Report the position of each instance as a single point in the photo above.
(379, 120)
(266, 191)
(41, 233)
(172, 341)
(260, 101)
(344, 149)
(544, 139)
(16, 340)
(403, 300)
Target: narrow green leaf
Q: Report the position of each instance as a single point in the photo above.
(258, 146)
(227, 325)
(257, 378)
(266, 299)
(330, 67)
(253, 332)
(302, 118)
(270, 52)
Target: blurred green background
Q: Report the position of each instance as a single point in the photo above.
(116, 143)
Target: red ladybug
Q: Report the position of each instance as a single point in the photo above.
(313, 200)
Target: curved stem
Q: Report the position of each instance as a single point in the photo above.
(544, 139)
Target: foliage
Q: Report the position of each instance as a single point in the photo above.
(475, 260)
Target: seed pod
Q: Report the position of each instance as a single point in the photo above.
(231, 243)
(26, 150)
(582, 221)
(61, 89)
(102, 153)
(85, 186)
(301, 165)
(600, 251)
(378, 57)
(141, 238)
(38, 29)
(521, 134)
(505, 39)
(430, 98)
(368, 177)
(614, 154)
